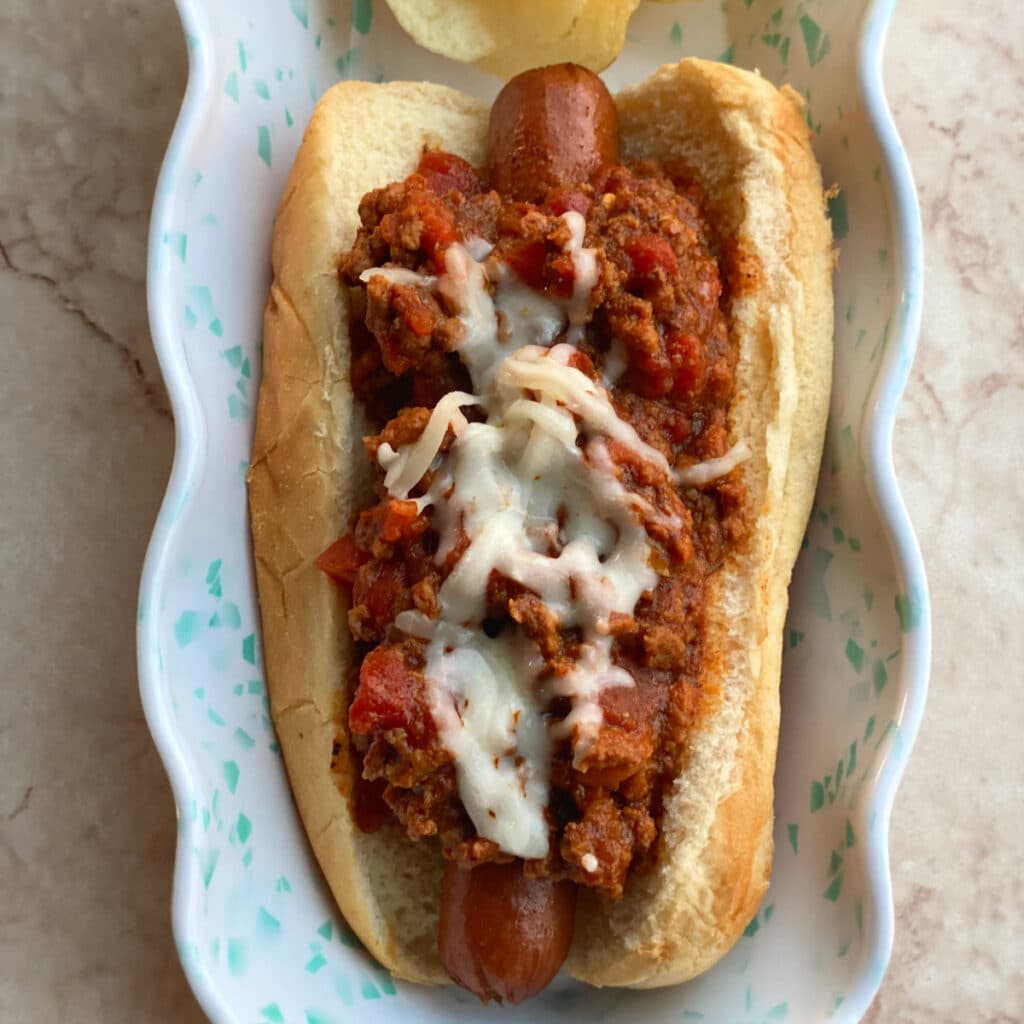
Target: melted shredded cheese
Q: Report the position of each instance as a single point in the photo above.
(548, 372)
(536, 492)
(584, 265)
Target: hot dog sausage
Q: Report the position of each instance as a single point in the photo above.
(503, 935)
(550, 126)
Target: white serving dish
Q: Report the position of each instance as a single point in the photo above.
(257, 931)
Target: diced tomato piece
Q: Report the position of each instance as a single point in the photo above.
(651, 376)
(527, 260)
(565, 199)
(686, 355)
(582, 362)
(439, 231)
(562, 275)
(650, 253)
(398, 517)
(342, 560)
(381, 587)
(677, 425)
(446, 172)
(390, 696)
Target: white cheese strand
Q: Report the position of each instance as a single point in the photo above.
(703, 473)
(400, 275)
(584, 265)
(478, 248)
(405, 468)
(615, 362)
(552, 420)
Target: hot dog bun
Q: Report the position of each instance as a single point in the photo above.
(748, 147)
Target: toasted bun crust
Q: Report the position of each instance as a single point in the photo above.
(747, 145)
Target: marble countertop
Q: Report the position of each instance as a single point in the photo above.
(87, 831)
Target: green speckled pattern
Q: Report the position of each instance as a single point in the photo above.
(256, 929)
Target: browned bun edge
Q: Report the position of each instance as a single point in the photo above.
(747, 145)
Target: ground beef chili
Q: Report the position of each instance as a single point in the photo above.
(656, 330)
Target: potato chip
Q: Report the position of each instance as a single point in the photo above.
(474, 30)
(505, 39)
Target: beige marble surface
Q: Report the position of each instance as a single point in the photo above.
(89, 93)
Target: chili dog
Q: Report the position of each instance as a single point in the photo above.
(523, 651)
